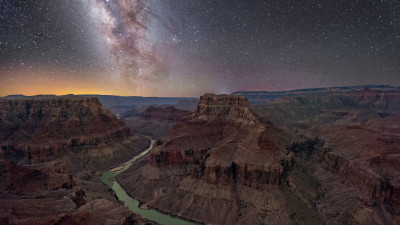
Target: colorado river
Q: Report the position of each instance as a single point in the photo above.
(132, 204)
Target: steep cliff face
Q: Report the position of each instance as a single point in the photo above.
(220, 165)
(366, 155)
(41, 129)
(224, 164)
(226, 143)
(360, 163)
(50, 151)
(378, 189)
(225, 107)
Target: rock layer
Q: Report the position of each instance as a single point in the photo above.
(360, 161)
(219, 165)
(50, 150)
(226, 143)
(225, 164)
(41, 129)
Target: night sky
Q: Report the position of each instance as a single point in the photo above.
(189, 47)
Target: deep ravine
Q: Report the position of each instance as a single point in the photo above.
(108, 178)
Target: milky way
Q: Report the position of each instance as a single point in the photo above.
(186, 48)
(123, 29)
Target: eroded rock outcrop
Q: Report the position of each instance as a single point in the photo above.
(225, 141)
(355, 177)
(41, 129)
(377, 188)
(30, 180)
(225, 165)
(50, 151)
(220, 165)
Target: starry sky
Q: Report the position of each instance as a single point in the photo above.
(189, 47)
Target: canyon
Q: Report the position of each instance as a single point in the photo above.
(51, 149)
(313, 156)
(321, 157)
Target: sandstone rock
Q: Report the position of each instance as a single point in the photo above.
(357, 173)
(228, 107)
(51, 149)
(42, 129)
(213, 165)
(225, 164)
(225, 141)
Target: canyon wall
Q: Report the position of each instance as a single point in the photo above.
(50, 151)
(42, 129)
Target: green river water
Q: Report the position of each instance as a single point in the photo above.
(132, 204)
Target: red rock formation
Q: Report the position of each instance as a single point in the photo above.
(378, 189)
(44, 128)
(28, 180)
(226, 143)
(217, 165)
(226, 107)
(50, 149)
(361, 160)
(220, 165)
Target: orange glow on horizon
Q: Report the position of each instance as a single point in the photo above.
(38, 83)
(48, 81)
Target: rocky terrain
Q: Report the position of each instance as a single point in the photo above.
(221, 165)
(315, 156)
(328, 157)
(358, 172)
(154, 121)
(51, 149)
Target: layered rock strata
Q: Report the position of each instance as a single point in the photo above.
(42, 129)
(225, 141)
(219, 165)
(51, 149)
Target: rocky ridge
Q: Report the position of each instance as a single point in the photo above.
(51, 149)
(359, 163)
(219, 165)
(328, 158)
(42, 129)
(230, 145)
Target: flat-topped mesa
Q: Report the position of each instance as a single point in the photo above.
(227, 107)
(224, 142)
(40, 129)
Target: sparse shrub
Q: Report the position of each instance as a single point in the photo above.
(308, 147)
